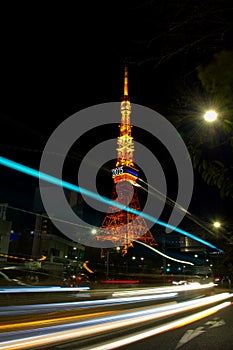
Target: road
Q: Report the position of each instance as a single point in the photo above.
(213, 332)
(184, 317)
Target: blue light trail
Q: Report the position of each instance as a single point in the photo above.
(59, 182)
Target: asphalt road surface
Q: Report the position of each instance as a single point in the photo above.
(214, 333)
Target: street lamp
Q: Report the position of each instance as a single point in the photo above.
(217, 224)
(210, 116)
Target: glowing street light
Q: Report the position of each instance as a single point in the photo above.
(217, 224)
(210, 116)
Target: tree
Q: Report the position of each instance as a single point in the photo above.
(216, 78)
(210, 146)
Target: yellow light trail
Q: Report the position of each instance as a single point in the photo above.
(86, 267)
(161, 329)
(49, 321)
(77, 332)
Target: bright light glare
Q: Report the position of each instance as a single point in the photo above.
(217, 224)
(210, 116)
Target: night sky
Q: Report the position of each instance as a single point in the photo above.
(57, 60)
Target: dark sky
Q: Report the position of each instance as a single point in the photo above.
(56, 60)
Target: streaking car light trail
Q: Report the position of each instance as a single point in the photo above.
(59, 182)
(50, 289)
(160, 329)
(180, 288)
(66, 332)
(17, 310)
(164, 255)
(118, 297)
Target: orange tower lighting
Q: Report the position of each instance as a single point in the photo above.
(122, 227)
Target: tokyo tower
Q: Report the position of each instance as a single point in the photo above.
(122, 227)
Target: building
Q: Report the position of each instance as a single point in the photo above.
(5, 232)
(49, 242)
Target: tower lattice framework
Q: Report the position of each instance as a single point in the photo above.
(123, 227)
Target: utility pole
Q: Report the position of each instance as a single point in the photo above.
(107, 264)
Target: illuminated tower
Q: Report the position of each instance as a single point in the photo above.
(121, 227)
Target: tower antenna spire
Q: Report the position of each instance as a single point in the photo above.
(126, 92)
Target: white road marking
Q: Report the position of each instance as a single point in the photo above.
(192, 333)
(189, 335)
(216, 323)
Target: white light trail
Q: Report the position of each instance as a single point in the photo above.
(15, 310)
(160, 329)
(179, 288)
(165, 255)
(49, 289)
(78, 330)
